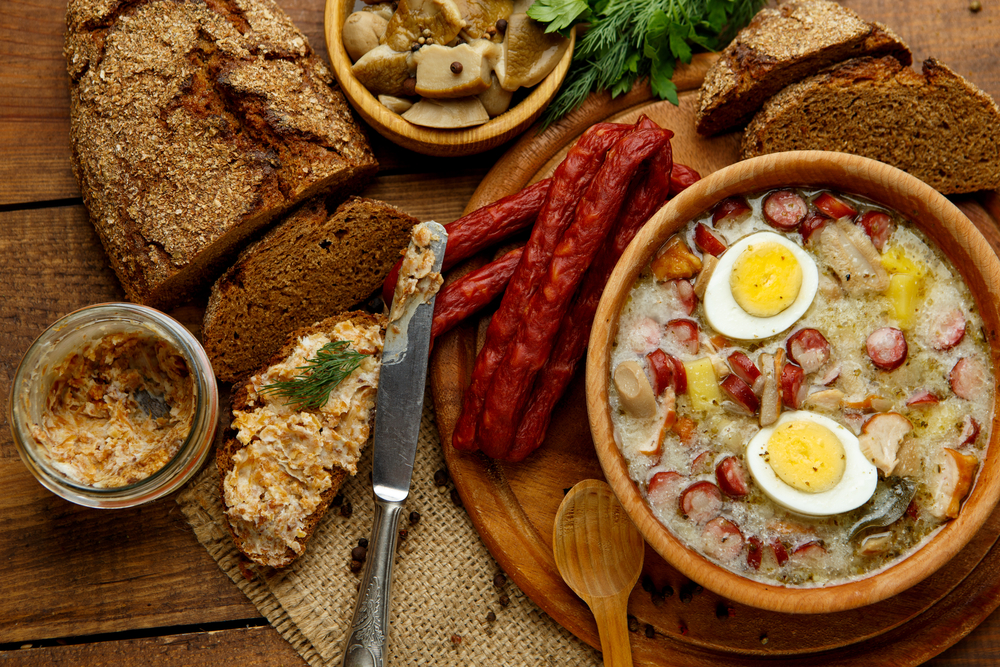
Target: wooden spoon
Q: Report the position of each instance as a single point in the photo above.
(599, 553)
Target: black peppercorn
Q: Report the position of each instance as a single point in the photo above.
(355, 566)
(501, 25)
(414, 518)
(491, 617)
(455, 498)
(346, 509)
(456, 67)
(440, 476)
(337, 500)
(504, 600)
(633, 623)
(647, 584)
(500, 580)
(363, 542)
(456, 639)
(650, 632)
(410, 86)
(359, 553)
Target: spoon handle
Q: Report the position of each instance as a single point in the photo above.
(612, 626)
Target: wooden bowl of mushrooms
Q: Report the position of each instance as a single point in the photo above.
(448, 77)
(791, 381)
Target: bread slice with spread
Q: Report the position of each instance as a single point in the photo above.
(780, 46)
(936, 125)
(282, 463)
(311, 265)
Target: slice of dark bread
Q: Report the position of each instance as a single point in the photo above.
(309, 266)
(246, 398)
(937, 126)
(780, 46)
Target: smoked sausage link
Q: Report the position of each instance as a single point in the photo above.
(809, 349)
(887, 348)
(482, 228)
(472, 292)
(509, 391)
(785, 209)
(569, 182)
(701, 502)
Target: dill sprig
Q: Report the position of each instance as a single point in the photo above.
(310, 390)
(632, 39)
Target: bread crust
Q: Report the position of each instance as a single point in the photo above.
(193, 125)
(780, 46)
(310, 265)
(936, 125)
(230, 445)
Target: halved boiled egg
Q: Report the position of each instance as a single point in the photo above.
(761, 286)
(810, 464)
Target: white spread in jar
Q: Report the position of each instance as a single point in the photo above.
(118, 410)
(290, 455)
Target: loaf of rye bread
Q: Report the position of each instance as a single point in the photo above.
(310, 265)
(780, 46)
(937, 126)
(194, 124)
(243, 400)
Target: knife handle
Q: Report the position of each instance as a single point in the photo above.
(368, 641)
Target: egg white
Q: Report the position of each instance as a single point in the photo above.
(853, 490)
(729, 319)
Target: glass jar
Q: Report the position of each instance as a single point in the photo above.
(35, 377)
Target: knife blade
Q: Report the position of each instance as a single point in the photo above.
(398, 408)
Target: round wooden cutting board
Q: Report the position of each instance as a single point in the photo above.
(514, 505)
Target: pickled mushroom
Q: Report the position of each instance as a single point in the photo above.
(383, 71)
(460, 71)
(362, 32)
(496, 100)
(395, 104)
(481, 15)
(447, 114)
(383, 9)
(440, 18)
(529, 54)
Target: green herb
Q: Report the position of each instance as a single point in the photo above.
(310, 390)
(631, 39)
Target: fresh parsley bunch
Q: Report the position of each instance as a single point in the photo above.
(631, 39)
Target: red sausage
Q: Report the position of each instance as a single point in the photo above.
(702, 463)
(811, 225)
(810, 552)
(809, 349)
(684, 333)
(740, 393)
(922, 397)
(967, 378)
(878, 227)
(662, 369)
(780, 552)
(701, 502)
(722, 539)
(833, 206)
(887, 348)
(706, 240)
(970, 431)
(755, 552)
(731, 210)
(793, 386)
(664, 489)
(747, 371)
(472, 292)
(733, 478)
(680, 376)
(948, 329)
(684, 292)
(681, 178)
(785, 210)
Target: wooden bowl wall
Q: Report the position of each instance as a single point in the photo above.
(428, 140)
(929, 211)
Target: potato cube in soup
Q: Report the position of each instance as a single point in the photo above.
(902, 293)
(703, 387)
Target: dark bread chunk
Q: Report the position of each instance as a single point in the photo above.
(937, 126)
(310, 265)
(229, 447)
(780, 46)
(193, 125)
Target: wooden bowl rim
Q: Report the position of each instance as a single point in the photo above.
(432, 141)
(922, 205)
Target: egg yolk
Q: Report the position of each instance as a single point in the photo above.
(806, 456)
(765, 279)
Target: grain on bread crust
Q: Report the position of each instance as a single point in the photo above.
(243, 401)
(311, 264)
(937, 126)
(194, 124)
(780, 46)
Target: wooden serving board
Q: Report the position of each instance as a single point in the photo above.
(514, 505)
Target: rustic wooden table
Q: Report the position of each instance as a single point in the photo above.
(128, 587)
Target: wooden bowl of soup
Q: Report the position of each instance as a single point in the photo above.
(794, 351)
(441, 113)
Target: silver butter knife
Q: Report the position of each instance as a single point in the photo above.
(399, 405)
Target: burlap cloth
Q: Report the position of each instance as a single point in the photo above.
(443, 579)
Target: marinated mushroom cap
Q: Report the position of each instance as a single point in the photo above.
(529, 54)
(481, 15)
(362, 32)
(496, 100)
(383, 9)
(447, 114)
(395, 104)
(440, 18)
(383, 71)
(460, 71)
